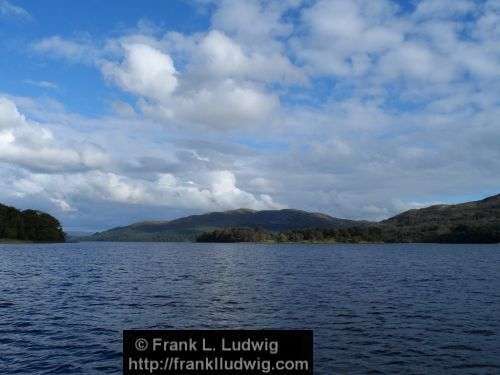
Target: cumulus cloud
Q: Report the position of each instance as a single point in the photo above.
(255, 23)
(378, 39)
(66, 176)
(33, 146)
(218, 56)
(218, 89)
(343, 36)
(414, 61)
(225, 105)
(144, 71)
(221, 84)
(216, 191)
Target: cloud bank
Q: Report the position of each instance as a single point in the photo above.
(356, 108)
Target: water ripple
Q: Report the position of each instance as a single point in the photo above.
(375, 309)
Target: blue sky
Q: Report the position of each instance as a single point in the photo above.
(85, 19)
(112, 112)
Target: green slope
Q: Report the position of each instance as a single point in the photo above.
(471, 222)
(188, 228)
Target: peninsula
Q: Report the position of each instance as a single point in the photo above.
(28, 226)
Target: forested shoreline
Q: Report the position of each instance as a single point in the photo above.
(29, 226)
(381, 233)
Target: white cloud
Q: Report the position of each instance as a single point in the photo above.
(56, 46)
(223, 55)
(443, 8)
(29, 144)
(145, 71)
(123, 109)
(224, 106)
(217, 56)
(9, 115)
(42, 84)
(217, 190)
(222, 83)
(414, 61)
(68, 177)
(351, 107)
(62, 205)
(261, 184)
(377, 41)
(226, 195)
(253, 22)
(342, 36)
(217, 90)
(7, 9)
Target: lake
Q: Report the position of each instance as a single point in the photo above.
(374, 308)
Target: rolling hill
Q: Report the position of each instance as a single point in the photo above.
(471, 222)
(189, 227)
(483, 211)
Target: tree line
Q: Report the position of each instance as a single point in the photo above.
(29, 225)
(460, 233)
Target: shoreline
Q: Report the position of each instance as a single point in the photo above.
(6, 241)
(304, 242)
(13, 242)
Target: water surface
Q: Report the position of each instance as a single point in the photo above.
(418, 309)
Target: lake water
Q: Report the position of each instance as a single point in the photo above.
(374, 308)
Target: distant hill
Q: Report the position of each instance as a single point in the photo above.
(29, 225)
(75, 235)
(190, 227)
(482, 212)
(471, 222)
(477, 221)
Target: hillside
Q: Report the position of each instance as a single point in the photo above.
(29, 225)
(188, 228)
(477, 221)
(471, 222)
(483, 211)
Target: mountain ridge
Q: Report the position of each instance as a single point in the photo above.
(486, 209)
(189, 227)
(475, 220)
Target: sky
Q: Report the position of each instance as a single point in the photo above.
(113, 112)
